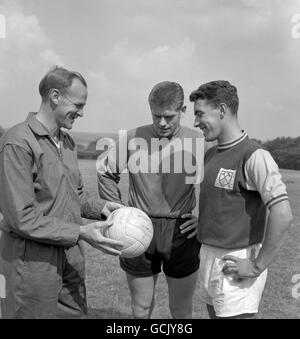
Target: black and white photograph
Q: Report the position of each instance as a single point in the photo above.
(149, 162)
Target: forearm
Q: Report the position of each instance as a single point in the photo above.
(279, 220)
(91, 208)
(109, 167)
(108, 187)
(44, 229)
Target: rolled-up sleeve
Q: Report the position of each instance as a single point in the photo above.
(108, 172)
(18, 206)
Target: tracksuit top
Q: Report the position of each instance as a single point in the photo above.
(42, 195)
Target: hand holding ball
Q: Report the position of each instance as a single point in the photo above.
(133, 227)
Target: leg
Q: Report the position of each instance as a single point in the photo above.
(211, 312)
(142, 295)
(181, 295)
(180, 265)
(142, 273)
(72, 302)
(32, 282)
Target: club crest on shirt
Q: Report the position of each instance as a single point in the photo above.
(225, 178)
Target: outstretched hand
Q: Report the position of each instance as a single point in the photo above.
(93, 234)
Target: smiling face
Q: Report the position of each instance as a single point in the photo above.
(71, 103)
(166, 122)
(208, 119)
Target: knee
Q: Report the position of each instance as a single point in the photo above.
(181, 312)
(141, 311)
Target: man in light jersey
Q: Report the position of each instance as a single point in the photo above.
(166, 195)
(243, 208)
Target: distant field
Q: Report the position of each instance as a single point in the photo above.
(108, 295)
(85, 139)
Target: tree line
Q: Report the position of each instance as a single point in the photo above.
(285, 151)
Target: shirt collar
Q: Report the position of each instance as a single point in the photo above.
(36, 126)
(234, 142)
(173, 136)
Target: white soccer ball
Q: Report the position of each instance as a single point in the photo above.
(133, 227)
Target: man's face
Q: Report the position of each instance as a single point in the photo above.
(71, 104)
(166, 122)
(208, 119)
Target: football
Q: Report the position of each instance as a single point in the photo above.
(133, 227)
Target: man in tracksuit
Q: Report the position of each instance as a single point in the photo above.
(160, 186)
(243, 207)
(42, 200)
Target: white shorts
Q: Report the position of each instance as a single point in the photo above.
(228, 296)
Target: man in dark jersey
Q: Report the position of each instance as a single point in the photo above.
(243, 208)
(164, 190)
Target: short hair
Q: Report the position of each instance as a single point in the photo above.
(59, 78)
(217, 92)
(166, 95)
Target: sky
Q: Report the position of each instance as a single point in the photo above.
(124, 47)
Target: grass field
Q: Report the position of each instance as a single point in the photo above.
(108, 296)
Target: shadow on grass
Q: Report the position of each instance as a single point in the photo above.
(107, 313)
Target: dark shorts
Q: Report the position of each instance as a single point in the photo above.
(174, 252)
